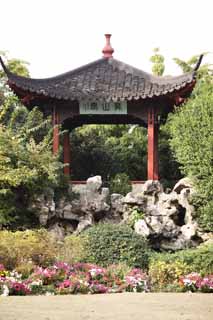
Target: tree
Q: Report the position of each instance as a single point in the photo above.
(108, 150)
(168, 166)
(191, 128)
(27, 165)
(15, 65)
(187, 66)
(158, 63)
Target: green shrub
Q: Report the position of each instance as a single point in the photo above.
(72, 250)
(163, 275)
(200, 259)
(118, 270)
(25, 268)
(191, 141)
(107, 244)
(120, 184)
(197, 260)
(26, 247)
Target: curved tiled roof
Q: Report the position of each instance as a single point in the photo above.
(106, 79)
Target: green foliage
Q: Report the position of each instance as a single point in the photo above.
(18, 67)
(158, 63)
(14, 65)
(205, 212)
(27, 165)
(168, 165)
(165, 269)
(90, 155)
(24, 249)
(7, 206)
(135, 215)
(107, 244)
(107, 150)
(192, 143)
(26, 169)
(111, 149)
(199, 259)
(187, 66)
(120, 184)
(163, 274)
(118, 270)
(72, 250)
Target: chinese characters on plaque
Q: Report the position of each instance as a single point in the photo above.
(103, 107)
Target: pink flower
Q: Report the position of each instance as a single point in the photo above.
(46, 273)
(190, 279)
(62, 266)
(18, 288)
(205, 282)
(97, 271)
(2, 268)
(65, 284)
(98, 288)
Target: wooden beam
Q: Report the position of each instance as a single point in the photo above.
(66, 152)
(152, 165)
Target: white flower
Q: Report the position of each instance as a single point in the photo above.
(186, 281)
(85, 283)
(49, 293)
(95, 271)
(36, 283)
(15, 274)
(5, 291)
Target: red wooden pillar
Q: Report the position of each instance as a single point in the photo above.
(152, 165)
(55, 131)
(66, 150)
(156, 158)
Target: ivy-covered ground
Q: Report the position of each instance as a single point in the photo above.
(124, 306)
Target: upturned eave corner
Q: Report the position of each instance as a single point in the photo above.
(3, 65)
(197, 66)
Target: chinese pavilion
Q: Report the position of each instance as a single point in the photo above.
(106, 91)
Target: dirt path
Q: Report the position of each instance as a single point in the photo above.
(126, 306)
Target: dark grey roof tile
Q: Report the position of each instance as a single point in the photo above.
(104, 79)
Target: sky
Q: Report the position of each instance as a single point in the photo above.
(56, 36)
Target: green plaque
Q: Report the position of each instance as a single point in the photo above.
(103, 107)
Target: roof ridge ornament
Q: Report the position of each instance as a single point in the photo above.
(198, 62)
(108, 50)
(3, 65)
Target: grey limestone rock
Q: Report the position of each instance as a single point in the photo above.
(167, 218)
(142, 228)
(94, 183)
(184, 183)
(152, 187)
(85, 223)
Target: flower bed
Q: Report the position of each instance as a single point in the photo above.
(86, 278)
(72, 279)
(194, 282)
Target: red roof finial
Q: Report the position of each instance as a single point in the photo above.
(108, 50)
